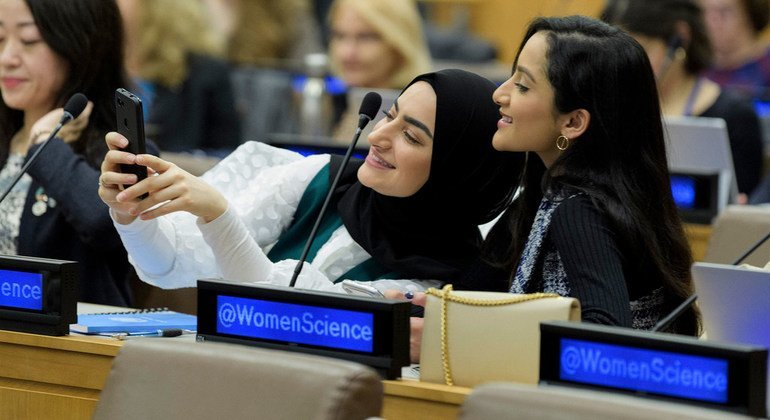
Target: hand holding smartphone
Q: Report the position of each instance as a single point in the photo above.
(130, 120)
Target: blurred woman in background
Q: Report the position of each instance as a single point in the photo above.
(171, 52)
(673, 35)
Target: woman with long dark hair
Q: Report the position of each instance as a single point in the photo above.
(49, 50)
(595, 218)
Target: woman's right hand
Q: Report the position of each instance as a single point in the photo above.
(171, 189)
(111, 179)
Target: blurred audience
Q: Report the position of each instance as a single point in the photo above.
(374, 44)
(171, 53)
(268, 31)
(673, 35)
(49, 50)
(741, 58)
(377, 43)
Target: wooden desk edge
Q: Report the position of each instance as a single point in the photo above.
(426, 391)
(78, 343)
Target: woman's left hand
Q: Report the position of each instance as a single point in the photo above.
(415, 324)
(70, 132)
(172, 189)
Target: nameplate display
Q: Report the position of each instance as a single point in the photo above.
(371, 331)
(696, 196)
(665, 366)
(21, 290)
(37, 295)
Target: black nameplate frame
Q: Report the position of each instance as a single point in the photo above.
(723, 376)
(374, 332)
(37, 295)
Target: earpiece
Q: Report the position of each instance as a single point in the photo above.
(674, 43)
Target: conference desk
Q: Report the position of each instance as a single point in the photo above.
(43, 377)
(698, 237)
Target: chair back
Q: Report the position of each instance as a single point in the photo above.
(180, 379)
(735, 231)
(510, 401)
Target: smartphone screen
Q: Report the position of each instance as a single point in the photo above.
(130, 121)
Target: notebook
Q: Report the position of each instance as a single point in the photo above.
(133, 322)
(734, 302)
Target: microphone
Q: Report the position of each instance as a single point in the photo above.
(752, 249)
(72, 109)
(369, 107)
(676, 313)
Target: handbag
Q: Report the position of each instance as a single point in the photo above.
(474, 337)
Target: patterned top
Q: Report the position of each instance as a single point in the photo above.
(263, 186)
(752, 79)
(542, 268)
(13, 205)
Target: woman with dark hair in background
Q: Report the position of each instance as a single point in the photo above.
(49, 50)
(673, 35)
(741, 56)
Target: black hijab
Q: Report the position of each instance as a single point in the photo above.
(433, 234)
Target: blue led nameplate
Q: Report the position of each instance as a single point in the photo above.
(37, 295)
(374, 332)
(659, 372)
(725, 376)
(21, 290)
(683, 191)
(294, 323)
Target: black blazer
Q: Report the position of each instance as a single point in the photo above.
(77, 226)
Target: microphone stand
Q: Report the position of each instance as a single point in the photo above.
(72, 109)
(752, 249)
(33, 157)
(363, 120)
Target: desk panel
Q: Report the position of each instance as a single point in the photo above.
(44, 377)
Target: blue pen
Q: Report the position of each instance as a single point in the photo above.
(170, 332)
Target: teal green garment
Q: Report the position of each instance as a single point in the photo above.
(292, 241)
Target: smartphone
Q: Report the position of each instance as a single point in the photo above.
(361, 289)
(130, 119)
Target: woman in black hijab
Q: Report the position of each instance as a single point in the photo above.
(409, 211)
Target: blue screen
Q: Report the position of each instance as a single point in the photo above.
(310, 150)
(293, 323)
(660, 372)
(683, 190)
(21, 289)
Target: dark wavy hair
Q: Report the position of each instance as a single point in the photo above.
(88, 35)
(658, 19)
(619, 161)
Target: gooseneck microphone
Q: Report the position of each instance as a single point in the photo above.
(676, 313)
(369, 107)
(72, 109)
(752, 249)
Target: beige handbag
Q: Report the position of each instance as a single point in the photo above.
(475, 337)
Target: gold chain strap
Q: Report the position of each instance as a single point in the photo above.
(446, 296)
